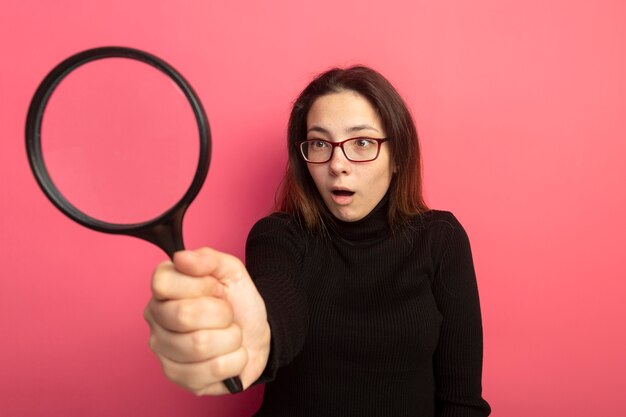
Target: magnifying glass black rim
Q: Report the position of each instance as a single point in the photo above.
(33, 137)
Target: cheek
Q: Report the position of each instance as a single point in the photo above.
(385, 167)
(382, 175)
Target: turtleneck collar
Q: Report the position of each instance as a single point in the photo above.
(372, 227)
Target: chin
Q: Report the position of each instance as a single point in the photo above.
(348, 217)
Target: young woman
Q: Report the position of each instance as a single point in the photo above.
(356, 299)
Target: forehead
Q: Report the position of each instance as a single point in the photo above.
(342, 111)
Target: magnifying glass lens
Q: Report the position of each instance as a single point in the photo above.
(120, 141)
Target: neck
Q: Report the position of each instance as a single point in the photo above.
(371, 227)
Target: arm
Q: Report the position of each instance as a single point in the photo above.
(274, 252)
(458, 358)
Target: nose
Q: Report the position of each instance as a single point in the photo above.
(338, 162)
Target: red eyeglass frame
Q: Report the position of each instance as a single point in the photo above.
(379, 141)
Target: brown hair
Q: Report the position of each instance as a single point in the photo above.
(298, 194)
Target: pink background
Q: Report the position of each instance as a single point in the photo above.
(520, 106)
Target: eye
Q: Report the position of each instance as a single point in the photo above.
(318, 144)
(364, 142)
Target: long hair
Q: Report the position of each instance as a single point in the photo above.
(298, 194)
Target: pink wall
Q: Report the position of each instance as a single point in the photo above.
(520, 107)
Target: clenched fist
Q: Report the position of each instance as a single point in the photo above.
(207, 321)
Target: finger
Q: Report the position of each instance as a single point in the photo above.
(195, 346)
(147, 315)
(191, 314)
(207, 261)
(206, 377)
(170, 284)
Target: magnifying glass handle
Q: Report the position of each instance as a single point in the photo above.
(168, 235)
(233, 384)
(165, 232)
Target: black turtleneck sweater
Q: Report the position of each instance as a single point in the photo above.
(366, 322)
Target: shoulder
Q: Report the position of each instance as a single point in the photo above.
(440, 229)
(439, 223)
(277, 239)
(276, 223)
(280, 231)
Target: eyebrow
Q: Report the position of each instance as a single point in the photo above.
(356, 128)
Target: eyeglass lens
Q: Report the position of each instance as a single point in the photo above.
(358, 149)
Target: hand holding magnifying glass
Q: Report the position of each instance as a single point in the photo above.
(106, 196)
(191, 321)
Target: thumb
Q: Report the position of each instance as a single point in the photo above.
(206, 261)
(193, 263)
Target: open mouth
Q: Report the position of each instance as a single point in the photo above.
(342, 193)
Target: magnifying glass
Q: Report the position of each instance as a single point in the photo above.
(119, 142)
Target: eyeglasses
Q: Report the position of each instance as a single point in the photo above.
(317, 151)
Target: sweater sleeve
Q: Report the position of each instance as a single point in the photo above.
(274, 252)
(458, 358)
